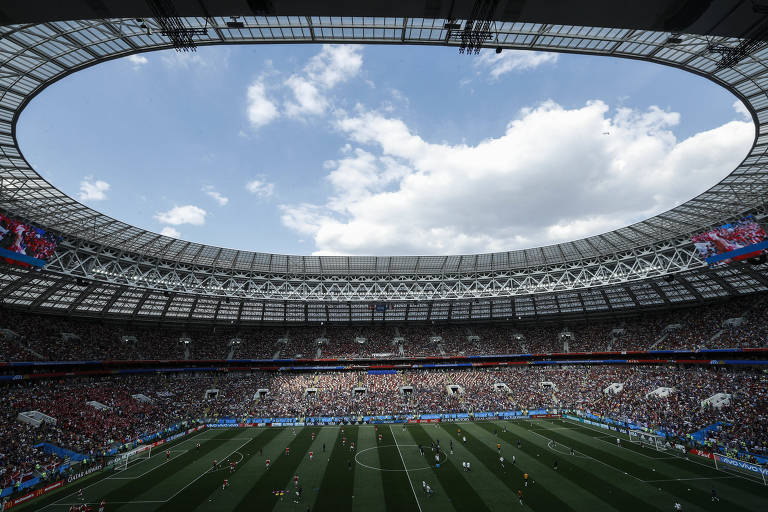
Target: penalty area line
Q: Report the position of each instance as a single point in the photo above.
(590, 457)
(102, 480)
(686, 479)
(236, 450)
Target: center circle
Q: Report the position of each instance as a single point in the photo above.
(398, 451)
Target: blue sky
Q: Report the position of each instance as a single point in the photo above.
(308, 149)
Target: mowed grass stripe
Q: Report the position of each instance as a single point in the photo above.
(368, 490)
(247, 473)
(200, 490)
(462, 495)
(420, 472)
(310, 473)
(397, 489)
(538, 497)
(93, 482)
(582, 473)
(689, 463)
(338, 481)
(133, 488)
(731, 491)
(489, 481)
(281, 471)
(676, 489)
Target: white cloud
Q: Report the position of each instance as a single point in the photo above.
(137, 61)
(306, 91)
(171, 232)
(335, 64)
(93, 190)
(513, 60)
(261, 110)
(187, 214)
(555, 174)
(260, 188)
(741, 109)
(215, 195)
(308, 98)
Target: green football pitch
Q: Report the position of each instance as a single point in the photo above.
(388, 474)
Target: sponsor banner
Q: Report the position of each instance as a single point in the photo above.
(596, 424)
(701, 453)
(741, 464)
(19, 501)
(534, 416)
(430, 420)
(77, 476)
(34, 494)
(51, 487)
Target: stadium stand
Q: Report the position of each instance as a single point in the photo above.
(174, 398)
(739, 323)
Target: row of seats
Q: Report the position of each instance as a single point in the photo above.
(121, 417)
(734, 324)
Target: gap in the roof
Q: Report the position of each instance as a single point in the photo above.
(305, 149)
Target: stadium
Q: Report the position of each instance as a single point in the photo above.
(620, 371)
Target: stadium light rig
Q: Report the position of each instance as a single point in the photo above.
(732, 55)
(172, 26)
(477, 28)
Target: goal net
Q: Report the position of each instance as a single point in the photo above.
(126, 459)
(651, 440)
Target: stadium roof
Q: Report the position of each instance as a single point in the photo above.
(36, 50)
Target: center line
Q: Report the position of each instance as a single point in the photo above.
(405, 468)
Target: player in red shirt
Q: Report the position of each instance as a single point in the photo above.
(267, 463)
(102, 505)
(215, 463)
(296, 480)
(310, 455)
(287, 450)
(232, 467)
(167, 454)
(225, 484)
(379, 437)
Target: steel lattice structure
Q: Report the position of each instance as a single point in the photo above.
(107, 267)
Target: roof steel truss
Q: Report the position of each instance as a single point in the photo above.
(179, 278)
(119, 255)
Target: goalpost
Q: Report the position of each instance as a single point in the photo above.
(753, 471)
(654, 441)
(125, 459)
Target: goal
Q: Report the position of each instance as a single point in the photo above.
(647, 439)
(123, 460)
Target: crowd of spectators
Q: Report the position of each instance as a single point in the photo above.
(128, 407)
(738, 323)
